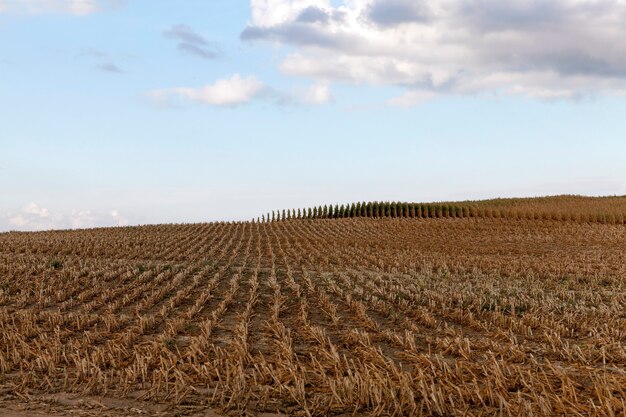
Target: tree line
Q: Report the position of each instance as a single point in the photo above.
(379, 209)
(371, 209)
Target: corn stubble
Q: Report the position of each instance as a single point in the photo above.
(396, 316)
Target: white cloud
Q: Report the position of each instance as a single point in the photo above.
(318, 93)
(542, 49)
(80, 219)
(118, 218)
(236, 91)
(74, 7)
(34, 209)
(230, 92)
(34, 217)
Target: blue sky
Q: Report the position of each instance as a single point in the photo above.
(137, 111)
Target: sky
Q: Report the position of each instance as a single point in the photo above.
(124, 112)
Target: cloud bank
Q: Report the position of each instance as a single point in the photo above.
(33, 217)
(542, 49)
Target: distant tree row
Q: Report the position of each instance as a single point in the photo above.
(429, 211)
(371, 209)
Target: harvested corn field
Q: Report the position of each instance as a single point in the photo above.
(365, 316)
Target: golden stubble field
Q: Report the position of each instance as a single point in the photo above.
(360, 316)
